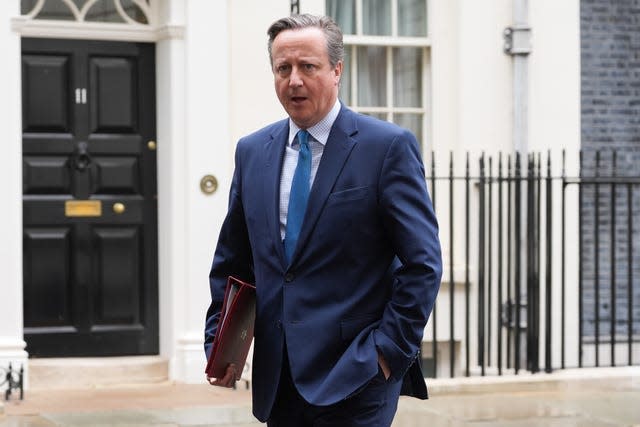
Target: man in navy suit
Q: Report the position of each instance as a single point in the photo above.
(343, 300)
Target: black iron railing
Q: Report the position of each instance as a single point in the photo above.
(12, 380)
(516, 214)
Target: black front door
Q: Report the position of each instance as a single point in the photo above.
(89, 198)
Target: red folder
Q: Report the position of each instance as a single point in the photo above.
(235, 329)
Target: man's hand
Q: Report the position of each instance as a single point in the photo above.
(228, 380)
(384, 365)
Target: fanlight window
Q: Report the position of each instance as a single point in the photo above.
(114, 11)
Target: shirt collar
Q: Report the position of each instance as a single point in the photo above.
(320, 131)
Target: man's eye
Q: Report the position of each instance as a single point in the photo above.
(283, 69)
(309, 67)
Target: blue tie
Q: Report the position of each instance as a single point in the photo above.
(299, 195)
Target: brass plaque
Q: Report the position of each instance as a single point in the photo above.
(83, 208)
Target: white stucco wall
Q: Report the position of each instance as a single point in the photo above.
(253, 100)
(207, 146)
(471, 93)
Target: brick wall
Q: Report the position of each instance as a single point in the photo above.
(610, 86)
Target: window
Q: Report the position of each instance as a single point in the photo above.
(386, 72)
(114, 11)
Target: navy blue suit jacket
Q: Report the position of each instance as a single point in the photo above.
(363, 277)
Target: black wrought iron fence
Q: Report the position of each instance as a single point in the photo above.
(523, 298)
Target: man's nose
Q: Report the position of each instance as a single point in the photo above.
(295, 79)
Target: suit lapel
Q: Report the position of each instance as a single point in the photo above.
(336, 152)
(274, 155)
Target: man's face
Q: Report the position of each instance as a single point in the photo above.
(305, 82)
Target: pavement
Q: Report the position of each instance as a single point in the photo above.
(603, 397)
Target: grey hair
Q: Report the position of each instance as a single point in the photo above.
(331, 30)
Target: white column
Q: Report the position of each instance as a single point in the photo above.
(253, 101)
(170, 84)
(12, 345)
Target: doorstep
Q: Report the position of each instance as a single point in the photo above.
(91, 372)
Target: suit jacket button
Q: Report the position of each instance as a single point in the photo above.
(279, 324)
(288, 277)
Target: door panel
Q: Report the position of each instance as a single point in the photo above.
(47, 79)
(46, 175)
(117, 297)
(117, 175)
(89, 204)
(48, 299)
(114, 95)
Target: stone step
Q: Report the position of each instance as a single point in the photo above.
(91, 372)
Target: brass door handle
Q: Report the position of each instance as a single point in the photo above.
(119, 208)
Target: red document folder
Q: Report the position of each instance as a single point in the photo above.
(235, 329)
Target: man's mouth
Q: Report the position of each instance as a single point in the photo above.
(298, 99)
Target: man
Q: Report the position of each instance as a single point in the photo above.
(346, 269)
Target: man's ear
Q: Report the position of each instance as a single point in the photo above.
(338, 71)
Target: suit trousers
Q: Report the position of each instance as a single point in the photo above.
(372, 405)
